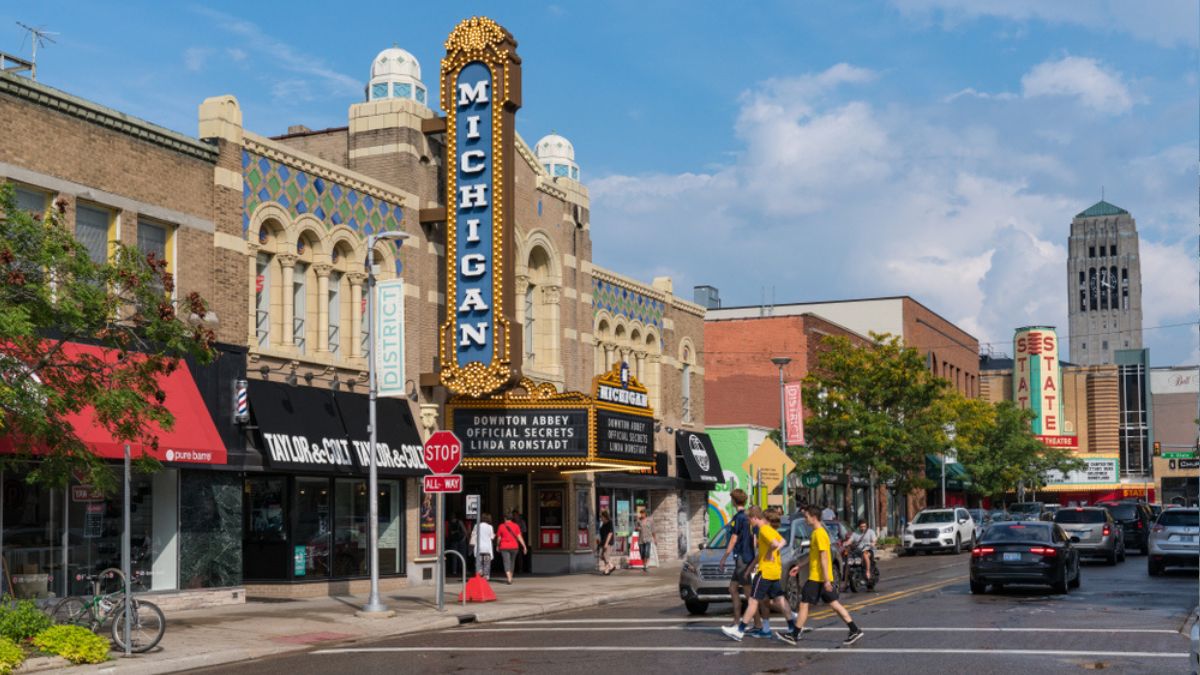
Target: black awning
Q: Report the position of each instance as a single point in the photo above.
(300, 429)
(700, 463)
(398, 443)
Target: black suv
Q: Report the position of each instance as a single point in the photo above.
(1135, 519)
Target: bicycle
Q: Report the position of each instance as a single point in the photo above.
(147, 623)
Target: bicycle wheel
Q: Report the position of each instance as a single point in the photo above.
(73, 611)
(146, 627)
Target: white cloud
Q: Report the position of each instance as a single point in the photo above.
(971, 92)
(195, 58)
(1080, 77)
(1169, 281)
(1164, 22)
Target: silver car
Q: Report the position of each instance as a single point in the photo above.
(1099, 535)
(702, 581)
(1174, 540)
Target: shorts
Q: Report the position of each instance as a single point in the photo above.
(741, 569)
(644, 552)
(766, 589)
(510, 558)
(814, 591)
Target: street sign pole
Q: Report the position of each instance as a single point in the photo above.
(441, 552)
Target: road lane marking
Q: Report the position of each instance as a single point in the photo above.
(779, 650)
(908, 629)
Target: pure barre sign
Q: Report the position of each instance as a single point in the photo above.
(481, 85)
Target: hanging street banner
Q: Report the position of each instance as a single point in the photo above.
(389, 337)
(1036, 378)
(793, 413)
(480, 92)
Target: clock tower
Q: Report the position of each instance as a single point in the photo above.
(1104, 285)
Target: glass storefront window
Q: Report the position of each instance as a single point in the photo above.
(311, 537)
(391, 556)
(265, 544)
(32, 538)
(350, 534)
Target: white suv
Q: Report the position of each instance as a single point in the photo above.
(940, 530)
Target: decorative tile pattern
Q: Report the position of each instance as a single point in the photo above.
(265, 180)
(620, 301)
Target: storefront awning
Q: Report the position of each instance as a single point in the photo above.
(957, 477)
(310, 430)
(192, 440)
(700, 463)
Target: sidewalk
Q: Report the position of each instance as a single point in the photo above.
(215, 636)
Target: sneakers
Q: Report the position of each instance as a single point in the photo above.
(853, 637)
(732, 633)
(761, 633)
(793, 636)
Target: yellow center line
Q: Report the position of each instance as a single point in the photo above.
(890, 597)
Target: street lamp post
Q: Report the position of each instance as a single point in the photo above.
(950, 436)
(374, 606)
(782, 361)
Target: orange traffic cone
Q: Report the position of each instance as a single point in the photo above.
(478, 590)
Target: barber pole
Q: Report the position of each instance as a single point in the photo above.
(241, 410)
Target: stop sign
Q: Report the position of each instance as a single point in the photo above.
(443, 452)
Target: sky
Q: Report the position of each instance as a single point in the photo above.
(804, 151)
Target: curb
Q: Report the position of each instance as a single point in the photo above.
(1186, 629)
(486, 613)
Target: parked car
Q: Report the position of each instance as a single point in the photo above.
(998, 516)
(982, 517)
(1049, 510)
(1099, 535)
(1026, 511)
(702, 581)
(1025, 552)
(1135, 520)
(1174, 540)
(1156, 510)
(939, 530)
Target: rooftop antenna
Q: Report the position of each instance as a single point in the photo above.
(38, 37)
(1101, 193)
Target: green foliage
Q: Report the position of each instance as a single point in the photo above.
(11, 656)
(21, 620)
(889, 541)
(872, 410)
(51, 295)
(74, 643)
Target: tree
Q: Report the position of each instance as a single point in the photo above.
(872, 411)
(997, 447)
(52, 294)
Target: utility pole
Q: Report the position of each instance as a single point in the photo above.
(38, 37)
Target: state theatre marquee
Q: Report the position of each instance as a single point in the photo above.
(534, 425)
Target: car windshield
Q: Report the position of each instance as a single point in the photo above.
(1123, 511)
(1002, 532)
(1025, 507)
(1080, 516)
(720, 539)
(934, 517)
(1178, 518)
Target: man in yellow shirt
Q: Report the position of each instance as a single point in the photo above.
(819, 585)
(767, 584)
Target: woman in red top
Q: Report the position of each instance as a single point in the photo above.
(509, 534)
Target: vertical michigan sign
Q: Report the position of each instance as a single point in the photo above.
(1036, 380)
(481, 92)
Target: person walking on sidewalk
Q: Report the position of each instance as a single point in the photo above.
(767, 586)
(605, 542)
(456, 540)
(510, 538)
(481, 541)
(645, 536)
(741, 547)
(819, 585)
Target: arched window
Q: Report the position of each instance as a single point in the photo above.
(539, 313)
(338, 299)
(651, 377)
(687, 362)
(267, 294)
(303, 294)
(602, 338)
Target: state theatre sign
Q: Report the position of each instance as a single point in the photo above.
(1036, 379)
(480, 92)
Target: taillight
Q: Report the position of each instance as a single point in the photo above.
(1107, 530)
(980, 551)
(1044, 551)
(1157, 528)
(1139, 525)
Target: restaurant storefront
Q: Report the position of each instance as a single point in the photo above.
(306, 514)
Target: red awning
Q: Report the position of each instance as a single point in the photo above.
(193, 439)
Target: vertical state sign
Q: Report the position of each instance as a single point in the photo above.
(481, 92)
(1036, 378)
(389, 337)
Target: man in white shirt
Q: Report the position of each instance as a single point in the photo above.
(828, 514)
(864, 538)
(481, 542)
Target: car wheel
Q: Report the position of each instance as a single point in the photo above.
(792, 591)
(1062, 587)
(906, 552)
(1077, 580)
(1112, 558)
(696, 606)
(1146, 547)
(978, 588)
(1153, 568)
(958, 544)
(1121, 556)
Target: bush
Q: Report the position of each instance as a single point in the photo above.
(22, 620)
(889, 541)
(11, 656)
(74, 643)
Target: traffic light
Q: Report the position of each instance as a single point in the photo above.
(1157, 449)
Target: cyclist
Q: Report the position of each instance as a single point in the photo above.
(864, 540)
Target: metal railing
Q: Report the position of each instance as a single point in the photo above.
(334, 332)
(442, 562)
(261, 331)
(298, 333)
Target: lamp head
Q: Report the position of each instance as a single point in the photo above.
(781, 361)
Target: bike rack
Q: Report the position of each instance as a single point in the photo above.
(442, 562)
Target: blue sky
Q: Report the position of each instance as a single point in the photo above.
(936, 148)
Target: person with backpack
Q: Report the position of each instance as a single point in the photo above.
(509, 534)
(481, 542)
(741, 547)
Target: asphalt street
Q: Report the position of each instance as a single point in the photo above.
(921, 618)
